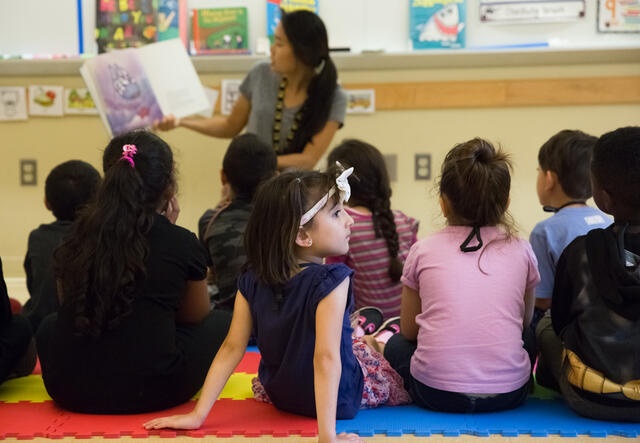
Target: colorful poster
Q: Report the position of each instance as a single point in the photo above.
(128, 99)
(273, 11)
(531, 11)
(361, 101)
(79, 101)
(125, 23)
(220, 31)
(437, 23)
(618, 15)
(13, 103)
(46, 100)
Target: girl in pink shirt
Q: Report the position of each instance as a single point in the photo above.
(380, 237)
(468, 294)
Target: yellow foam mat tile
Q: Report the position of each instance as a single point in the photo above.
(29, 388)
(238, 387)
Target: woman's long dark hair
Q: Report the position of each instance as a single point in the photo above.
(370, 188)
(308, 38)
(101, 265)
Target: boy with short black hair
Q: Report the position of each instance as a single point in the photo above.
(247, 162)
(563, 187)
(591, 343)
(68, 187)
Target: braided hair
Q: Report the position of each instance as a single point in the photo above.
(372, 190)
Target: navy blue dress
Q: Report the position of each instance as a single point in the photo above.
(286, 336)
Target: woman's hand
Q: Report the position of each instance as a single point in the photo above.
(186, 421)
(172, 210)
(167, 123)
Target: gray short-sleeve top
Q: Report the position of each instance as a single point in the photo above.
(260, 87)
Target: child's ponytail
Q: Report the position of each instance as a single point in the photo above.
(102, 263)
(371, 188)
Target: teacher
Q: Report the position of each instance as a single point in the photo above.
(293, 104)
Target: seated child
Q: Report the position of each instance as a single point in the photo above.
(299, 308)
(134, 332)
(563, 187)
(17, 352)
(380, 238)
(247, 162)
(68, 188)
(468, 294)
(591, 343)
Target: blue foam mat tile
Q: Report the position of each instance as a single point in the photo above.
(543, 417)
(400, 420)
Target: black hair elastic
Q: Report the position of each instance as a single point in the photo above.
(475, 232)
(572, 202)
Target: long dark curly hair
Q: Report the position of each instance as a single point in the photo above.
(370, 188)
(100, 267)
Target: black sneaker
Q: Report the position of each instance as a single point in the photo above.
(387, 330)
(366, 320)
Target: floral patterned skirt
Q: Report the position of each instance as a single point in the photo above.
(382, 384)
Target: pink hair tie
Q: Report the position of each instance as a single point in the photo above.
(128, 151)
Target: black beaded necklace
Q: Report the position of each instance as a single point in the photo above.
(277, 119)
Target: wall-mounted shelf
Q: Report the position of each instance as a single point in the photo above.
(373, 61)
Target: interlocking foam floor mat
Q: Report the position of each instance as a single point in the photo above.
(26, 411)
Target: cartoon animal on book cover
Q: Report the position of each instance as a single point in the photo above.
(124, 85)
(444, 25)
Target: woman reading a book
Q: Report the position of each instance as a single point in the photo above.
(295, 103)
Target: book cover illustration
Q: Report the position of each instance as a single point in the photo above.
(127, 96)
(437, 24)
(220, 31)
(618, 15)
(79, 101)
(13, 103)
(46, 100)
(273, 11)
(125, 23)
(172, 20)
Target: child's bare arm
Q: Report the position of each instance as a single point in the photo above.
(227, 358)
(410, 307)
(326, 359)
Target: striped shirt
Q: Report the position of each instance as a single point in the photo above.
(368, 256)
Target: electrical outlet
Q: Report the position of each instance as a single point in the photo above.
(422, 167)
(391, 161)
(28, 173)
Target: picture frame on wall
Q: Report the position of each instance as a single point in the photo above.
(618, 16)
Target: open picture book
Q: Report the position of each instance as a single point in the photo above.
(134, 87)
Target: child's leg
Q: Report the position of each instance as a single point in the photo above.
(550, 348)
(16, 348)
(382, 385)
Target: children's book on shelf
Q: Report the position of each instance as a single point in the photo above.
(220, 31)
(273, 11)
(437, 24)
(133, 87)
(125, 23)
(172, 20)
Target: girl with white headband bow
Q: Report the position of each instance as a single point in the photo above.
(298, 309)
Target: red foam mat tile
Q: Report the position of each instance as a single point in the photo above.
(249, 363)
(227, 418)
(26, 420)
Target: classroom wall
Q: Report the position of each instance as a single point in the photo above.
(520, 131)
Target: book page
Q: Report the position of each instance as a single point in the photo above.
(86, 71)
(173, 78)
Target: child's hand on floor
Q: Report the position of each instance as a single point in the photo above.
(186, 421)
(343, 436)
